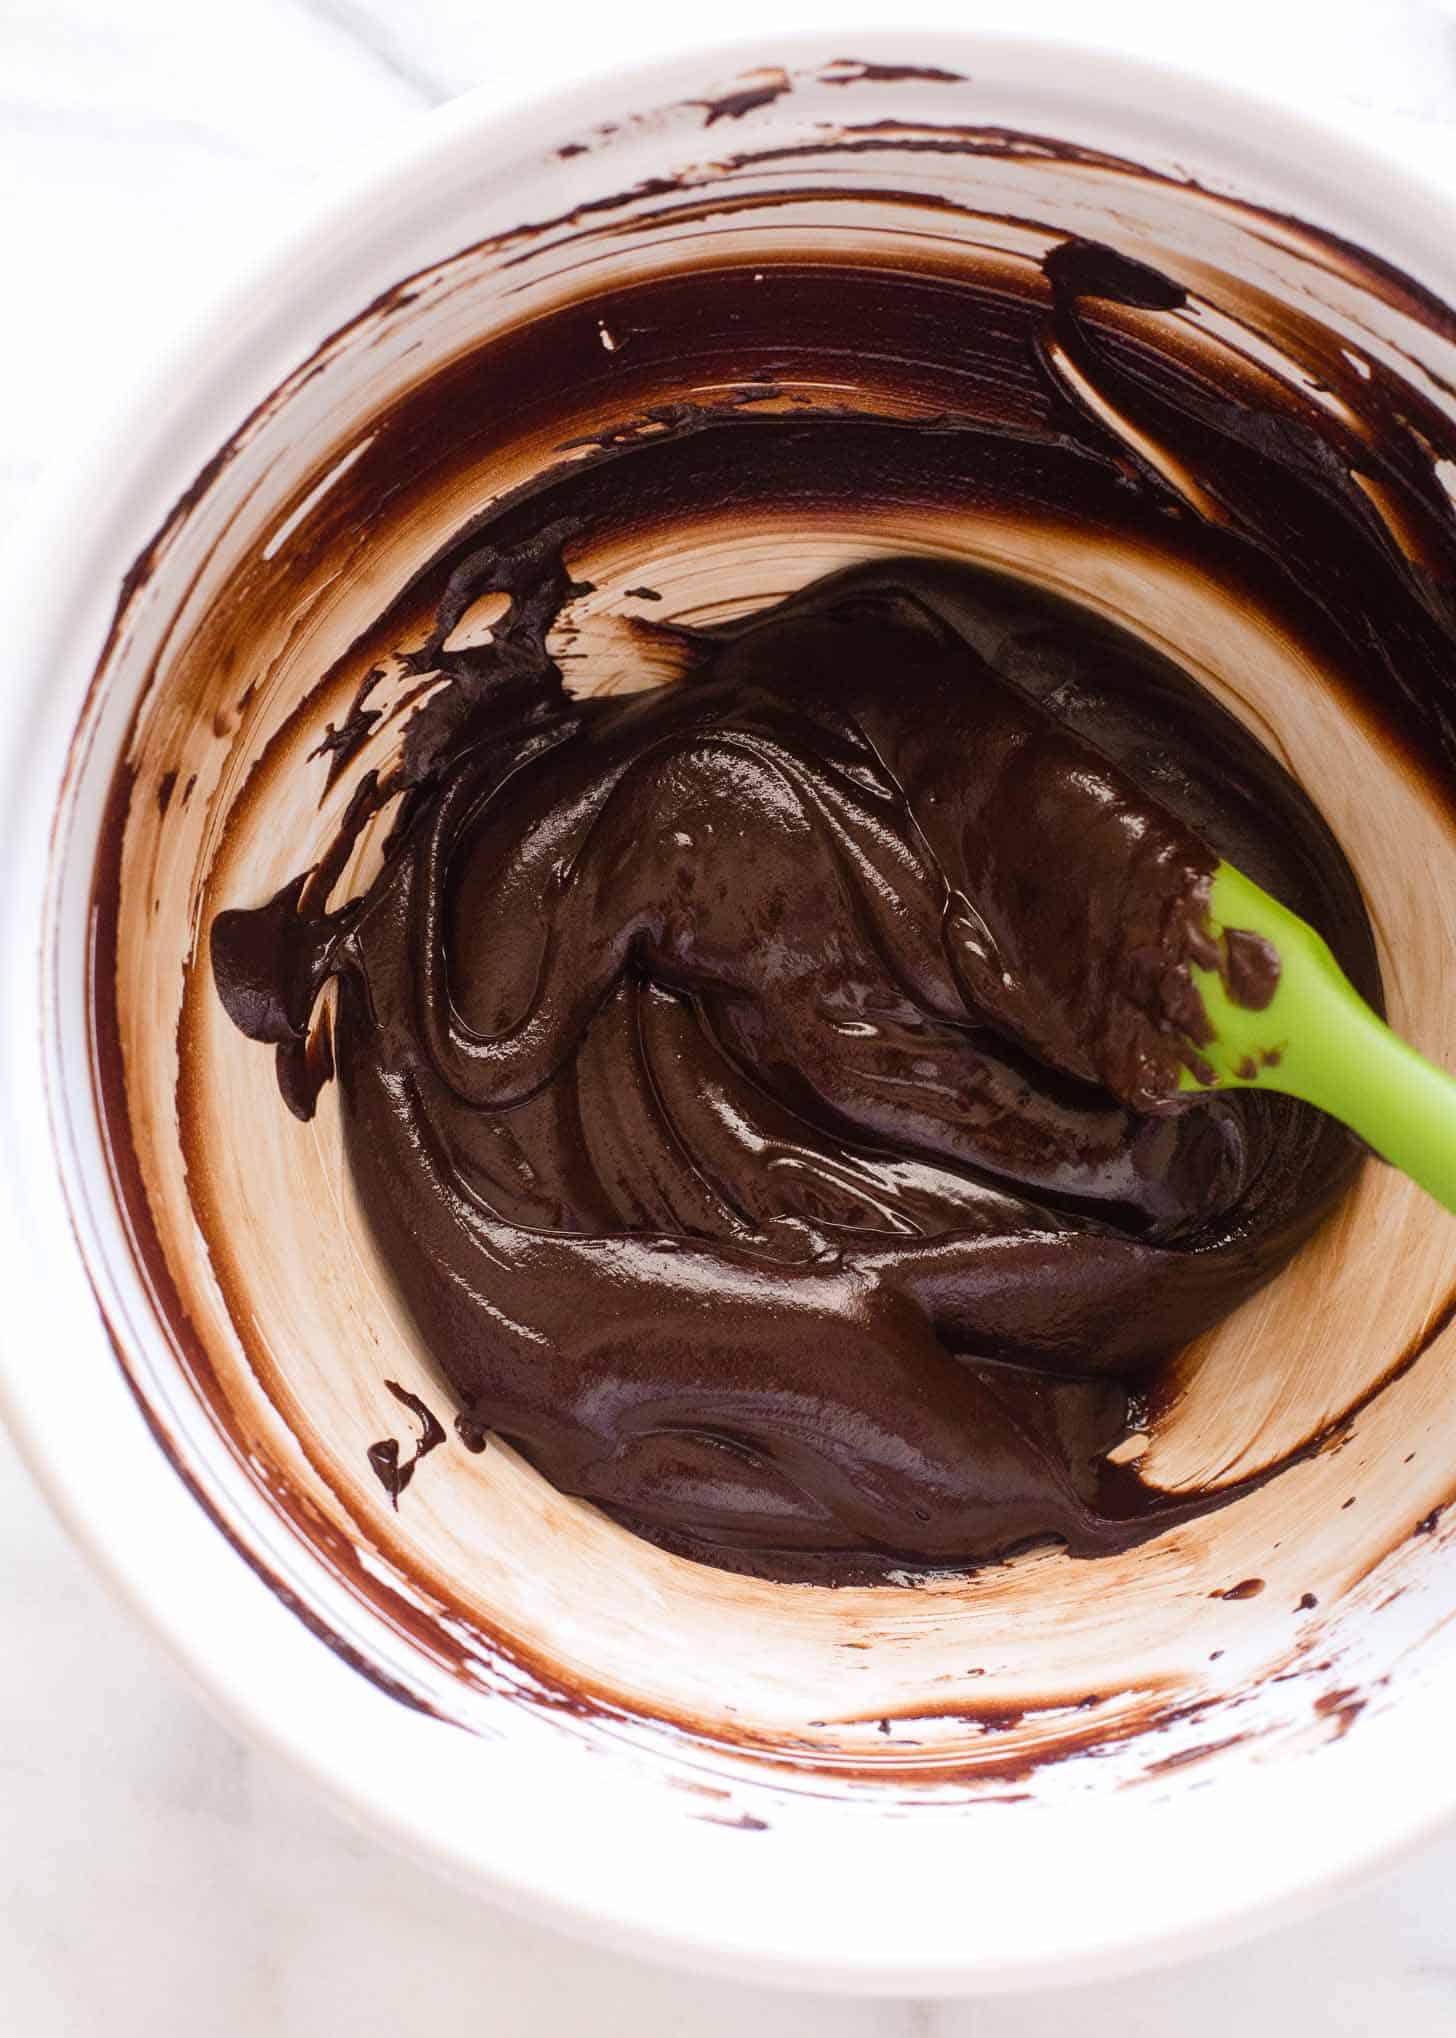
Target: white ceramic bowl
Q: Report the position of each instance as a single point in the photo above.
(725, 1799)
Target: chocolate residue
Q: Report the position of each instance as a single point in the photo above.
(431, 1432)
(854, 71)
(1307, 1603)
(342, 743)
(1167, 1764)
(1080, 268)
(337, 1644)
(1247, 1588)
(392, 1472)
(1250, 971)
(1429, 1523)
(1343, 1707)
(747, 99)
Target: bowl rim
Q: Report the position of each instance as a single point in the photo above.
(247, 1654)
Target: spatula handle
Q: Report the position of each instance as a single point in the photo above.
(1318, 1039)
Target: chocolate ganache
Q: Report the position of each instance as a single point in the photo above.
(761, 1088)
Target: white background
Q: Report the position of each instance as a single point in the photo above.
(157, 1878)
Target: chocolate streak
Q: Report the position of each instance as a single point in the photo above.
(393, 1472)
(760, 1089)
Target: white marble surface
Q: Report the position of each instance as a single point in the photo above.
(157, 1878)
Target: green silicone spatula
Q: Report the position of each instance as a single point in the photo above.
(1316, 1038)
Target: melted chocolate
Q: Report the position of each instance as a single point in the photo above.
(393, 1472)
(763, 1088)
(1250, 970)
